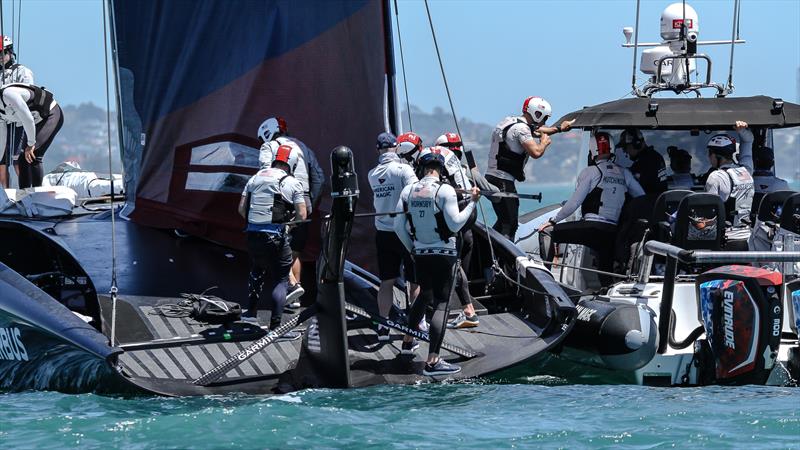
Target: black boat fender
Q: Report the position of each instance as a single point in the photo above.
(623, 336)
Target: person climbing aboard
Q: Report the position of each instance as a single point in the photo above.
(271, 198)
(513, 143)
(600, 193)
(387, 180)
(13, 72)
(427, 226)
(35, 109)
(273, 132)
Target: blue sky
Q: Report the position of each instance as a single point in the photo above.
(496, 52)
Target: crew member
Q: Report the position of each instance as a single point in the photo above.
(458, 176)
(513, 142)
(13, 73)
(731, 181)
(764, 177)
(35, 109)
(680, 161)
(305, 167)
(427, 229)
(600, 193)
(271, 198)
(387, 180)
(648, 165)
(409, 145)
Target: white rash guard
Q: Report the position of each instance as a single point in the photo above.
(387, 181)
(424, 199)
(614, 181)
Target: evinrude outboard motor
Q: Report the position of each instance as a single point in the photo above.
(623, 336)
(742, 314)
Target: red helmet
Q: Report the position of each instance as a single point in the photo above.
(451, 141)
(408, 143)
(600, 144)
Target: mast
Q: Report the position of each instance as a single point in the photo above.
(392, 115)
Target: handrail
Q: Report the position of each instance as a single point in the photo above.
(709, 256)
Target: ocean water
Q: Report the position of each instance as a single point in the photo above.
(538, 412)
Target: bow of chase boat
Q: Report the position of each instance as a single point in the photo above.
(692, 306)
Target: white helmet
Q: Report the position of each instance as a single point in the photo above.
(538, 108)
(7, 43)
(451, 141)
(271, 127)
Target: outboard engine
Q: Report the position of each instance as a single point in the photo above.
(742, 314)
(622, 336)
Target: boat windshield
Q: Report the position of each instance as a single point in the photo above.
(785, 142)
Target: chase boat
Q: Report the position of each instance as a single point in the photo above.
(692, 307)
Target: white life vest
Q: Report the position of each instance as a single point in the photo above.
(608, 196)
(271, 194)
(740, 199)
(297, 159)
(426, 221)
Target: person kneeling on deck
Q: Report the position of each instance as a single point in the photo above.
(271, 198)
(387, 181)
(37, 111)
(427, 228)
(732, 182)
(600, 193)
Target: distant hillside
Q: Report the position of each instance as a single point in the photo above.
(83, 138)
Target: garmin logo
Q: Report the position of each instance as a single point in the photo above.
(728, 319)
(584, 313)
(11, 346)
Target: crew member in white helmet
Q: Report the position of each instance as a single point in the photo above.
(35, 109)
(731, 181)
(387, 181)
(600, 193)
(13, 72)
(764, 177)
(513, 142)
(273, 132)
(427, 228)
(271, 198)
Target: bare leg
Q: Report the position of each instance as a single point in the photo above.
(4, 175)
(296, 265)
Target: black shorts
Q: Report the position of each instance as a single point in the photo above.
(392, 254)
(299, 234)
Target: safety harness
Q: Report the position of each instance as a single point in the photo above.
(509, 161)
(39, 102)
(441, 225)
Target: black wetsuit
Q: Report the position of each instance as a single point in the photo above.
(650, 171)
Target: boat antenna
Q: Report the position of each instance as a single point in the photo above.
(734, 36)
(685, 37)
(403, 63)
(635, 89)
(468, 153)
(113, 290)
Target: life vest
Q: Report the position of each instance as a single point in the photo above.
(426, 221)
(39, 102)
(509, 161)
(608, 196)
(740, 200)
(269, 203)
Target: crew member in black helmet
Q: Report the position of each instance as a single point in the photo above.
(648, 165)
(427, 228)
(271, 198)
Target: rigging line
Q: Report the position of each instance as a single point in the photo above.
(403, 64)
(734, 32)
(19, 27)
(3, 33)
(113, 290)
(634, 89)
(458, 130)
